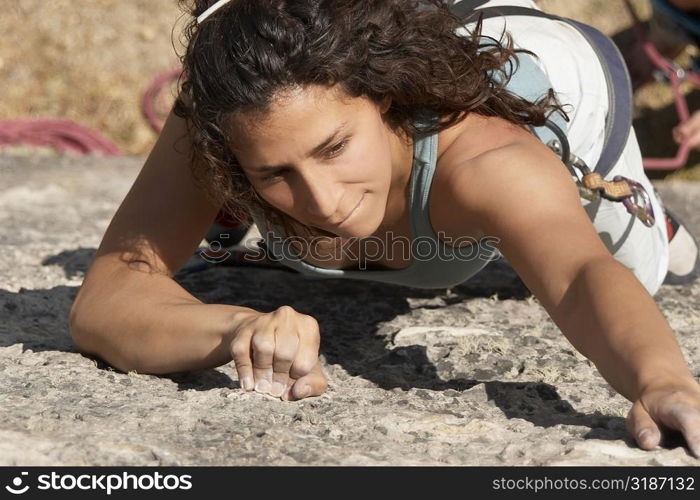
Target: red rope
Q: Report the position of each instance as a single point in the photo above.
(64, 135)
(154, 104)
(67, 135)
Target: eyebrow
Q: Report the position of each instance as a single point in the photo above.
(315, 150)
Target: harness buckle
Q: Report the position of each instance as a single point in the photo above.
(592, 187)
(644, 210)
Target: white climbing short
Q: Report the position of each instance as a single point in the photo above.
(579, 82)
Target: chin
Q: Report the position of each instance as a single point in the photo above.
(363, 227)
(360, 226)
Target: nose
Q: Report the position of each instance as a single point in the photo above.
(321, 195)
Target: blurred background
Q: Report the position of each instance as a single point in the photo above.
(92, 61)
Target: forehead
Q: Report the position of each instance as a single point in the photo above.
(297, 112)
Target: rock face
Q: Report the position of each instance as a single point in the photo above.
(475, 375)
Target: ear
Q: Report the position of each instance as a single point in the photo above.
(385, 104)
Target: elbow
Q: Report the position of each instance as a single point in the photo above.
(88, 342)
(75, 330)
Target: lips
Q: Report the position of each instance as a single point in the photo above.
(352, 211)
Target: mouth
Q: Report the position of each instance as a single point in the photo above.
(352, 212)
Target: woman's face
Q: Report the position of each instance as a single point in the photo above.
(320, 157)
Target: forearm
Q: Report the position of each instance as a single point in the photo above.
(611, 319)
(150, 324)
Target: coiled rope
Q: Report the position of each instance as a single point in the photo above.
(69, 136)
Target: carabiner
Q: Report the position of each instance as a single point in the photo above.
(644, 211)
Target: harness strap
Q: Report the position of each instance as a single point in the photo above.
(464, 7)
(618, 122)
(616, 191)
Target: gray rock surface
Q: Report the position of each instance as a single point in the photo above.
(475, 375)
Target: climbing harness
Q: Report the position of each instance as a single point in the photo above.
(592, 186)
(618, 122)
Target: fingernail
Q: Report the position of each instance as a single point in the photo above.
(643, 434)
(247, 383)
(263, 386)
(277, 389)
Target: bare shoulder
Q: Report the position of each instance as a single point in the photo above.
(495, 170)
(463, 151)
(518, 192)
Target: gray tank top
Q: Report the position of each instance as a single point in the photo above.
(435, 263)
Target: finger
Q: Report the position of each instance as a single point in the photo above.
(688, 131)
(241, 354)
(692, 123)
(312, 384)
(287, 394)
(694, 140)
(642, 427)
(686, 419)
(689, 128)
(263, 346)
(307, 353)
(286, 345)
(678, 135)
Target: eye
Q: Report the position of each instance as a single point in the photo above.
(338, 148)
(272, 176)
(333, 152)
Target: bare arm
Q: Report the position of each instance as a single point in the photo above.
(610, 318)
(525, 197)
(532, 206)
(129, 310)
(148, 323)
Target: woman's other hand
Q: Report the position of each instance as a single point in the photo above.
(689, 130)
(667, 407)
(276, 353)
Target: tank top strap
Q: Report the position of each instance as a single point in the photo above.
(423, 170)
(425, 239)
(527, 80)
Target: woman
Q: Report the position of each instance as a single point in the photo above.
(337, 121)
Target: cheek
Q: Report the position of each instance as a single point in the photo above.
(278, 195)
(372, 162)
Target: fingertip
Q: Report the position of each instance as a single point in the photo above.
(263, 386)
(647, 439)
(643, 439)
(302, 392)
(693, 441)
(247, 384)
(278, 388)
(287, 394)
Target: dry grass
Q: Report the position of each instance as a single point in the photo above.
(86, 60)
(91, 60)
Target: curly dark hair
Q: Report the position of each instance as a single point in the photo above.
(249, 51)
